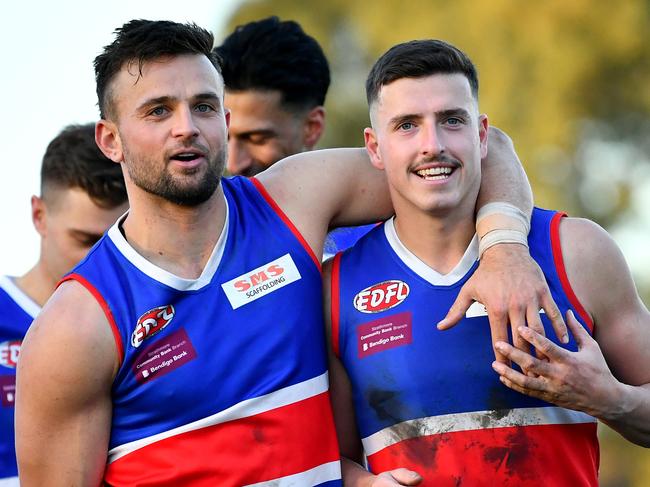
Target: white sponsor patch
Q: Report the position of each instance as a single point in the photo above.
(477, 309)
(261, 281)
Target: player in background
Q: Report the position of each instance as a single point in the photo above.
(82, 194)
(410, 396)
(276, 79)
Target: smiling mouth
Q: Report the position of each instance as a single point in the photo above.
(435, 173)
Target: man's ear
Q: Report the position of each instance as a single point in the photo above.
(483, 126)
(372, 147)
(108, 140)
(39, 213)
(314, 127)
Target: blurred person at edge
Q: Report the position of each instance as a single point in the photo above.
(82, 194)
(276, 79)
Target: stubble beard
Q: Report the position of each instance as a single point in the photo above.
(181, 190)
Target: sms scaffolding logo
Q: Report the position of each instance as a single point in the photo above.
(261, 281)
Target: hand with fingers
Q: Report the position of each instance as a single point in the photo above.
(512, 287)
(575, 380)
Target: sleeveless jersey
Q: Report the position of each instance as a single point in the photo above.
(17, 311)
(343, 238)
(429, 400)
(223, 379)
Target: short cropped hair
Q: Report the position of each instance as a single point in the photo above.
(416, 59)
(73, 160)
(275, 55)
(140, 41)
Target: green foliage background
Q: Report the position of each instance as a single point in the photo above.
(568, 80)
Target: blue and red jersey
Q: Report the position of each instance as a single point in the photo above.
(429, 400)
(343, 238)
(223, 378)
(17, 311)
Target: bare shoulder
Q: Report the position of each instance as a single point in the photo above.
(329, 187)
(601, 279)
(71, 335)
(63, 403)
(593, 261)
(290, 180)
(584, 239)
(595, 265)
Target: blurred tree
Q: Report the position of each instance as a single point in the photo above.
(568, 80)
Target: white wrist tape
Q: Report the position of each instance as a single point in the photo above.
(496, 237)
(505, 209)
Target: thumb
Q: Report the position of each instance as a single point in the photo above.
(579, 333)
(406, 477)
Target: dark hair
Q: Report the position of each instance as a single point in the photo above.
(416, 59)
(270, 54)
(73, 160)
(139, 41)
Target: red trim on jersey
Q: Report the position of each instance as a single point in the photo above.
(335, 302)
(104, 305)
(561, 271)
(558, 455)
(265, 194)
(284, 441)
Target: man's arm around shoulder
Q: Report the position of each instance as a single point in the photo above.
(63, 404)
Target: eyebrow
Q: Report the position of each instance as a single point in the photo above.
(161, 100)
(451, 112)
(82, 235)
(250, 133)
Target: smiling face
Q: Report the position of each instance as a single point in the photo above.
(261, 131)
(429, 138)
(169, 128)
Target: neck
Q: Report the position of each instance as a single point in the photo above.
(176, 238)
(37, 283)
(440, 241)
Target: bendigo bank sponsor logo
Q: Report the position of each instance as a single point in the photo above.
(9, 352)
(381, 296)
(151, 322)
(261, 281)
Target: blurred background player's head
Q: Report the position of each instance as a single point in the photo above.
(82, 194)
(276, 79)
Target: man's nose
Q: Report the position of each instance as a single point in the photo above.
(184, 123)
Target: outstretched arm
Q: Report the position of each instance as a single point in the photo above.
(333, 187)
(508, 282)
(609, 376)
(63, 405)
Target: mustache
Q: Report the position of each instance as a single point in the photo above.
(440, 159)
